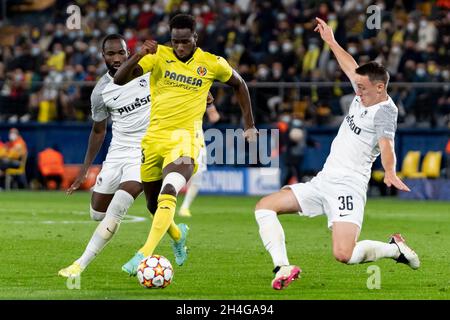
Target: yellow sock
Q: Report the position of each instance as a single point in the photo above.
(174, 232)
(162, 220)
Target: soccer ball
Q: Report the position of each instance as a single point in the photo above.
(155, 272)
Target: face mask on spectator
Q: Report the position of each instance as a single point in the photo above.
(205, 8)
(134, 11)
(12, 136)
(122, 11)
(273, 48)
(81, 33)
(35, 51)
(263, 72)
(352, 50)
(184, 8)
(420, 72)
(312, 47)
(102, 14)
(158, 10)
(196, 11)
(128, 35)
(18, 77)
(146, 7)
(161, 30)
(210, 28)
(227, 10)
(93, 49)
(446, 74)
(69, 74)
(396, 49)
(298, 30)
(287, 47)
(411, 27)
(72, 35)
(96, 33)
(111, 29)
(423, 23)
(332, 17)
(59, 33)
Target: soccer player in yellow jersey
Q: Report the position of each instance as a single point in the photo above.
(181, 77)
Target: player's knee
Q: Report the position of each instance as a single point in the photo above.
(97, 215)
(264, 203)
(342, 255)
(169, 189)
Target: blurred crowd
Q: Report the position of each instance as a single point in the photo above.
(47, 71)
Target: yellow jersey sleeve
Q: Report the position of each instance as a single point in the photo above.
(148, 61)
(223, 70)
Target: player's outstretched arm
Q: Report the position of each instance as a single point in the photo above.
(96, 139)
(345, 60)
(388, 160)
(241, 90)
(131, 69)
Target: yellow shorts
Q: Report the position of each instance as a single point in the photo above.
(158, 152)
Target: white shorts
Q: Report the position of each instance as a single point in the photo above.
(202, 160)
(338, 201)
(121, 164)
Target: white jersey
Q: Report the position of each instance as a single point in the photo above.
(355, 147)
(128, 105)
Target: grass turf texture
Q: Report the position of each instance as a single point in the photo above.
(42, 232)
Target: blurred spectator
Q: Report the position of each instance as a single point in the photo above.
(51, 168)
(14, 152)
(255, 36)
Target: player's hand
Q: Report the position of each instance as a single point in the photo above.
(251, 134)
(326, 33)
(210, 98)
(77, 183)
(149, 47)
(391, 179)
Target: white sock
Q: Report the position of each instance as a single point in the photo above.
(192, 191)
(369, 250)
(117, 209)
(272, 236)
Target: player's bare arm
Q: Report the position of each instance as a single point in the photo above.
(131, 69)
(241, 90)
(96, 138)
(388, 160)
(345, 60)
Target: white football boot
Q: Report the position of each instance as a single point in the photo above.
(407, 255)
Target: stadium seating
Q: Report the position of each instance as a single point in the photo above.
(410, 167)
(431, 166)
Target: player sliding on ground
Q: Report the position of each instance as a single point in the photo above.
(339, 190)
(180, 80)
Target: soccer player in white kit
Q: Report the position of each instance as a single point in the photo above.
(339, 190)
(119, 182)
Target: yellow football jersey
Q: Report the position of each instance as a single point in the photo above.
(179, 89)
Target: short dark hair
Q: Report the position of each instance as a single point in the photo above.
(375, 72)
(113, 36)
(182, 21)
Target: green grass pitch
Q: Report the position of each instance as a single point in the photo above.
(41, 232)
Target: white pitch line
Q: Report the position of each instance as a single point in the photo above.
(127, 218)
